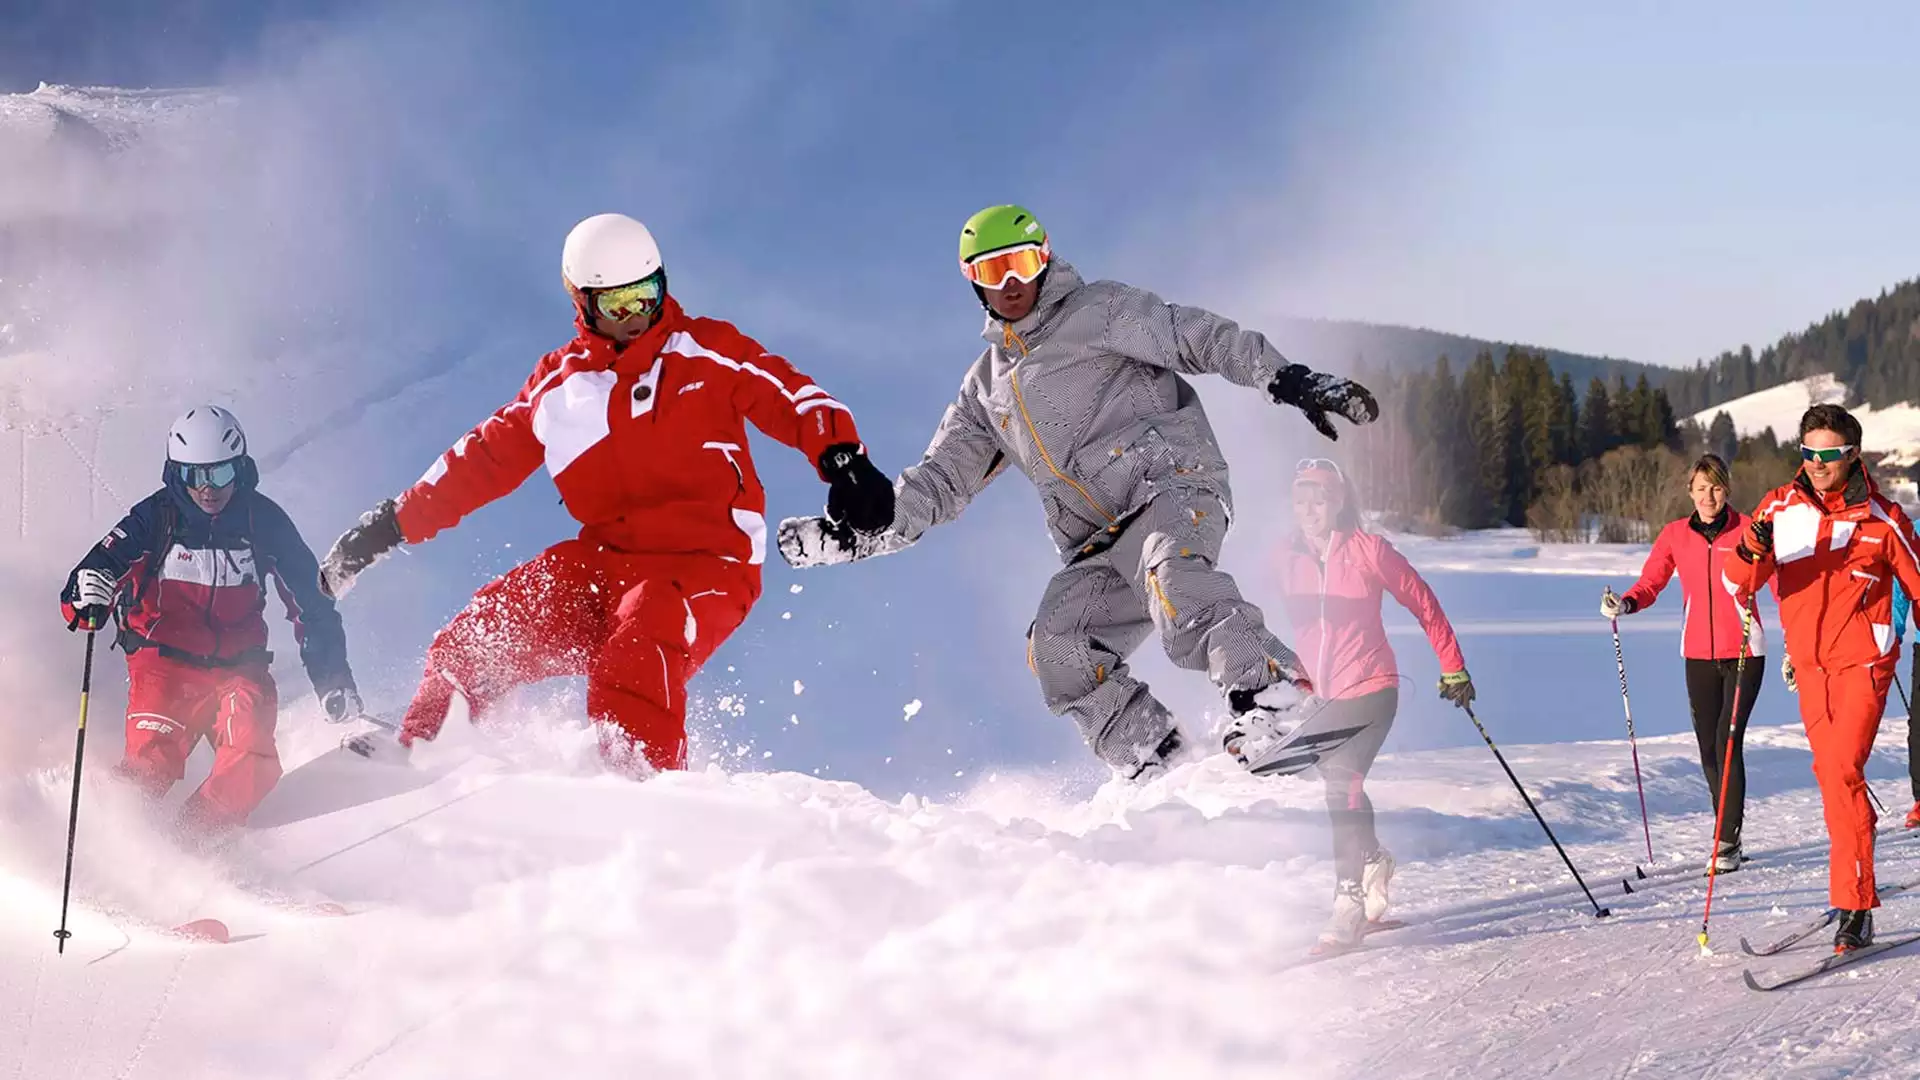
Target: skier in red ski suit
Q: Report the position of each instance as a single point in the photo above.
(186, 570)
(1834, 547)
(641, 420)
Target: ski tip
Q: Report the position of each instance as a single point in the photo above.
(1642, 873)
(330, 908)
(1752, 983)
(204, 930)
(1626, 886)
(1747, 947)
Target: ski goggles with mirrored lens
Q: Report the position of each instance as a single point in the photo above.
(1023, 263)
(207, 476)
(622, 302)
(1824, 454)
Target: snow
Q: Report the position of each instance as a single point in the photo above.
(1515, 551)
(1893, 430)
(513, 911)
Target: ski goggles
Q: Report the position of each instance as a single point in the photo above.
(1824, 454)
(207, 476)
(1023, 263)
(1315, 470)
(622, 302)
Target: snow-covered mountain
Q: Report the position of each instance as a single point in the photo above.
(1892, 430)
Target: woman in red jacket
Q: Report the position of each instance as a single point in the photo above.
(1333, 574)
(1696, 548)
(641, 419)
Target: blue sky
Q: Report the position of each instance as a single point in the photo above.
(1658, 182)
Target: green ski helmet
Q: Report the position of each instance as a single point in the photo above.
(995, 229)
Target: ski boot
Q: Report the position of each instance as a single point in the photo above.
(1174, 751)
(1913, 817)
(1727, 858)
(1348, 925)
(1262, 719)
(1856, 931)
(1374, 878)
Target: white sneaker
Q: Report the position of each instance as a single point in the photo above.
(1349, 921)
(1373, 883)
(1261, 718)
(1726, 858)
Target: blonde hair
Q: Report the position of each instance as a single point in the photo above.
(1715, 470)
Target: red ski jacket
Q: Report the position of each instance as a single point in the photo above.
(1710, 627)
(1834, 561)
(647, 444)
(1335, 612)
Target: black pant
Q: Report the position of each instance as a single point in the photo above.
(1710, 691)
(1345, 771)
(1913, 742)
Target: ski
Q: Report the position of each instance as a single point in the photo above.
(1812, 927)
(1829, 964)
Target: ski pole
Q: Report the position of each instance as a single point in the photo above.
(1620, 661)
(1598, 911)
(73, 816)
(1726, 769)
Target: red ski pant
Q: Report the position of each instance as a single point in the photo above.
(171, 705)
(637, 626)
(1841, 710)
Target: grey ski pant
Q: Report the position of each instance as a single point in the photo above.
(1159, 575)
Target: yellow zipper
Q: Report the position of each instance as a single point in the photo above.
(1020, 400)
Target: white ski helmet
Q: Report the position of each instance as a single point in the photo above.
(206, 435)
(607, 250)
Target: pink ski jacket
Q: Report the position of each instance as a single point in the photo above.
(1335, 611)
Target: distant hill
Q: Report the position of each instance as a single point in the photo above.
(1331, 344)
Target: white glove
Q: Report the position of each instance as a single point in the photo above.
(1612, 606)
(1786, 673)
(816, 541)
(342, 705)
(93, 588)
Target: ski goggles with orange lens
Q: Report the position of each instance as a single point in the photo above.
(207, 476)
(991, 271)
(622, 302)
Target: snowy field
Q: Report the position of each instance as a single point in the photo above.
(509, 911)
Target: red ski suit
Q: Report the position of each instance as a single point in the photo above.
(648, 447)
(1834, 560)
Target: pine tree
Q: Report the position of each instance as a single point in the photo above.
(1596, 422)
(1722, 439)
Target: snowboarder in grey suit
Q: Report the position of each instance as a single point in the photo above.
(1081, 389)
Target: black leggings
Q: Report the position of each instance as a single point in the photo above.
(1345, 772)
(1710, 691)
(1913, 741)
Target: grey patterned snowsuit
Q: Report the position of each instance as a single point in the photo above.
(1085, 396)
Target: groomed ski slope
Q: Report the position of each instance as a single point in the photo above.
(515, 914)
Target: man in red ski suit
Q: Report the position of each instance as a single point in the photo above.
(186, 570)
(641, 420)
(1834, 546)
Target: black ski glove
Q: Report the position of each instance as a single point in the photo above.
(360, 547)
(1758, 543)
(1317, 395)
(342, 704)
(859, 495)
(1457, 687)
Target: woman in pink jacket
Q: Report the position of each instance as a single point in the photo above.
(1694, 547)
(1333, 575)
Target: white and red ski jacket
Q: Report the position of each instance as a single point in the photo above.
(647, 444)
(1835, 558)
